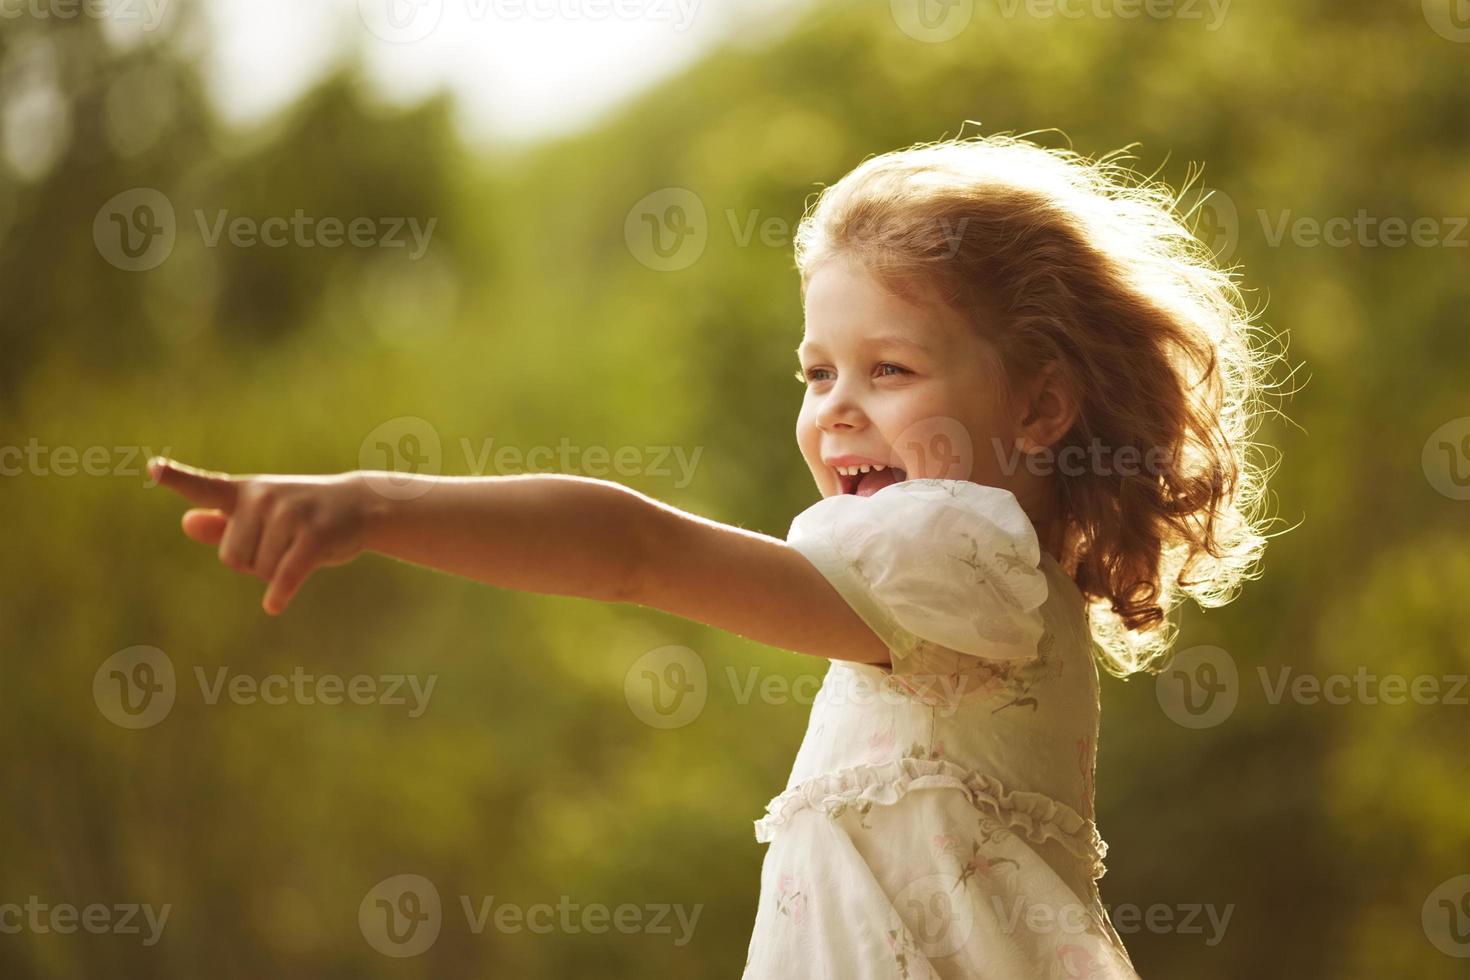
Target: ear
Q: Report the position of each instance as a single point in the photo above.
(1047, 411)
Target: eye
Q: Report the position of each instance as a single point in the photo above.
(813, 374)
(895, 367)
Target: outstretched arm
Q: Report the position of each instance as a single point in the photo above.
(553, 534)
(749, 584)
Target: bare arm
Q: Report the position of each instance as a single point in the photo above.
(568, 535)
(749, 584)
(555, 534)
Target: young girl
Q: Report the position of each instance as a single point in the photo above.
(1029, 392)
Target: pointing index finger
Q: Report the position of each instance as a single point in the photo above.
(209, 489)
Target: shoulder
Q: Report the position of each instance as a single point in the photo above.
(947, 561)
(920, 501)
(917, 517)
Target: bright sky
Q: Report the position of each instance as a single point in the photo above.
(521, 68)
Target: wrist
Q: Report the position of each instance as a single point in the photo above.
(375, 505)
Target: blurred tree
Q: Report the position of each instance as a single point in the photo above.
(530, 321)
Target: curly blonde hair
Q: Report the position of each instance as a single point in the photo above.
(1088, 266)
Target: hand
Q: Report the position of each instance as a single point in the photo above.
(277, 528)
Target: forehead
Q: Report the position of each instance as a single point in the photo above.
(847, 307)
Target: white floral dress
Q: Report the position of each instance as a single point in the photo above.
(938, 818)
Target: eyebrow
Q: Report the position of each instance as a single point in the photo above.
(886, 340)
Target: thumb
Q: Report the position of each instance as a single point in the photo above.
(205, 526)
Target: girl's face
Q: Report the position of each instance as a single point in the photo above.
(911, 388)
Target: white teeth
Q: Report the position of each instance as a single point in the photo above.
(864, 468)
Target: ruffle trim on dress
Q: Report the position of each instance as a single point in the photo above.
(1038, 816)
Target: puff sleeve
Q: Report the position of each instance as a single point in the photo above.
(930, 563)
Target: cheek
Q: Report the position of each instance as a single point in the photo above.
(934, 437)
(806, 432)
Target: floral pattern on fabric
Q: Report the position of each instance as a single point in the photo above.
(939, 807)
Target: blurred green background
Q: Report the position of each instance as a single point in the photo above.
(536, 315)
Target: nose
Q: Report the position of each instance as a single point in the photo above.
(840, 409)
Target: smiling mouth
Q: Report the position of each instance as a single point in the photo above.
(864, 481)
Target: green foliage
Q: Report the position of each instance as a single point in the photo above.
(530, 321)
